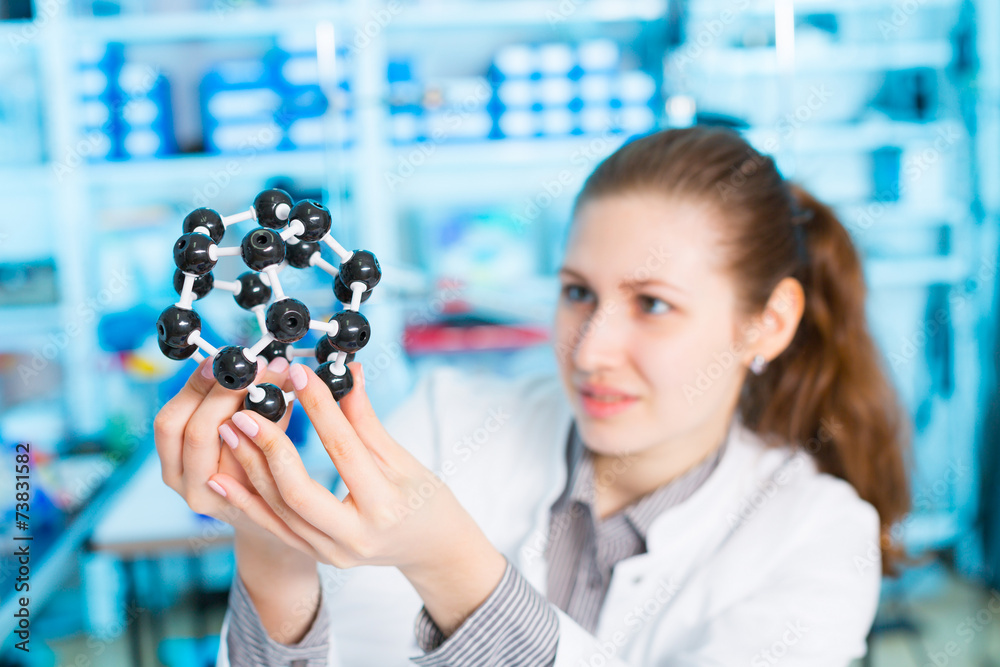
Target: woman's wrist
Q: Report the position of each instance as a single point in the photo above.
(457, 582)
(257, 545)
(283, 584)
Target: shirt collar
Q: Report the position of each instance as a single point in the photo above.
(641, 513)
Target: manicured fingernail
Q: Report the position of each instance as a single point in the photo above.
(206, 370)
(217, 487)
(278, 364)
(361, 375)
(298, 375)
(229, 436)
(245, 424)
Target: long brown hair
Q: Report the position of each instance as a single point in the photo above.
(829, 391)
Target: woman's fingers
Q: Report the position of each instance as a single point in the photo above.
(258, 511)
(349, 454)
(201, 436)
(170, 421)
(357, 407)
(278, 475)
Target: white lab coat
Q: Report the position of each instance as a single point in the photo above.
(768, 562)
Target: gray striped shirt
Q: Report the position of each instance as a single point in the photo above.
(515, 625)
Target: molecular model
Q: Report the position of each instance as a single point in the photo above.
(288, 235)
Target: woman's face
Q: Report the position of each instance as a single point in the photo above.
(646, 325)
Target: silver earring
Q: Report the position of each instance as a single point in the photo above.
(758, 364)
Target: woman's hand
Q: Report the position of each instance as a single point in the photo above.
(282, 581)
(186, 431)
(397, 512)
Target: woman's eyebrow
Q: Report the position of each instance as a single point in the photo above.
(637, 284)
(630, 283)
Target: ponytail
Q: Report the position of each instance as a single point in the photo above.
(829, 390)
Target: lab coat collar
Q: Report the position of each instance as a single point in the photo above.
(665, 537)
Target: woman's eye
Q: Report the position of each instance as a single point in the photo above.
(654, 306)
(576, 293)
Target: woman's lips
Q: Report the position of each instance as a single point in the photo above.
(603, 404)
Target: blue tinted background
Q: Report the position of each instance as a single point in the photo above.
(449, 137)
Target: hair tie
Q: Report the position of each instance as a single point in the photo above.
(800, 216)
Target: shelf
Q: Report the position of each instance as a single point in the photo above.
(766, 7)
(512, 153)
(452, 14)
(548, 155)
(235, 23)
(730, 63)
(449, 15)
(500, 167)
(895, 216)
(498, 170)
(567, 152)
(882, 273)
(201, 168)
(864, 136)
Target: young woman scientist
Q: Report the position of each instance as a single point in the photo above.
(711, 480)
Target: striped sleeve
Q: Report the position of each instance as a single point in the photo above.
(251, 646)
(514, 627)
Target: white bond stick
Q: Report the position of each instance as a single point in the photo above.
(233, 286)
(261, 321)
(316, 260)
(249, 214)
(196, 339)
(289, 397)
(341, 251)
(187, 292)
(357, 290)
(302, 352)
(272, 277)
(252, 352)
(278, 268)
(294, 229)
(198, 356)
(215, 252)
(339, 368)
(201, 229)
(281, 211)
(331, 328)
(256, 393)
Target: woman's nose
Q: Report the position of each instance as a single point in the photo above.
(602, 340)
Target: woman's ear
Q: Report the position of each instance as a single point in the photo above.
(773, 330)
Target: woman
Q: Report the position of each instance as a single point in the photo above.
(712, 479)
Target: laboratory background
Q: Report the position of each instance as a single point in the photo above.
(449, 137)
